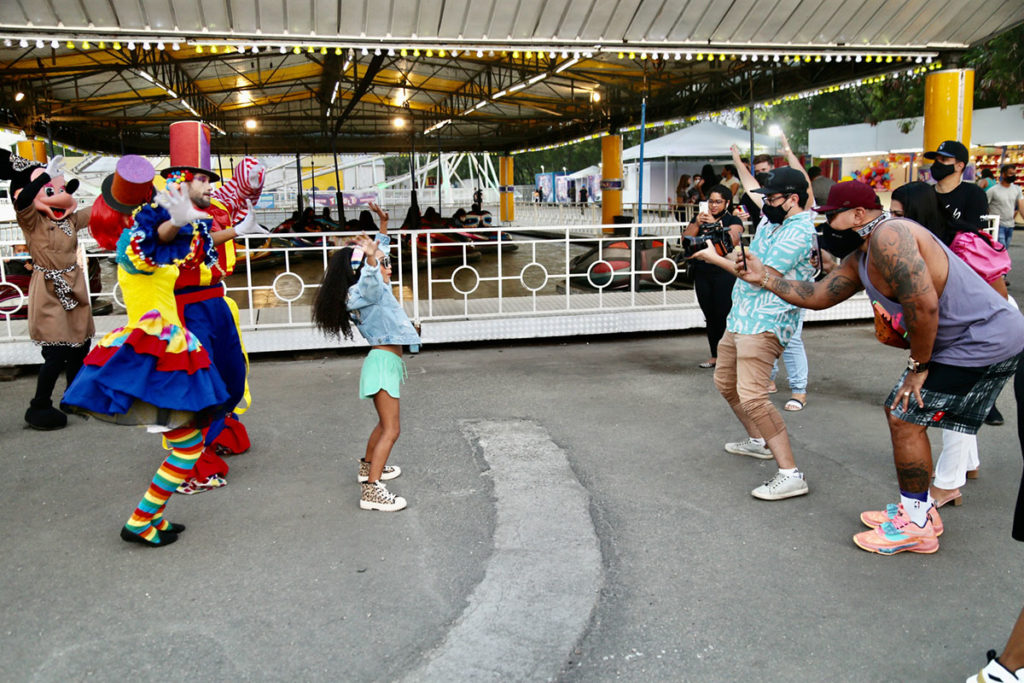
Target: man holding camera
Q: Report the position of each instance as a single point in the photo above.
(759, 326)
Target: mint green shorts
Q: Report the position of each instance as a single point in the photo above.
(382, 370)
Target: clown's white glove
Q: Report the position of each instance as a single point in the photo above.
(55, 166)
(248, 225)
(177, 203)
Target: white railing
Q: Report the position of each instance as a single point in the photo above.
(540, 285)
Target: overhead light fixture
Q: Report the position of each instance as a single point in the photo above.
(398, 122)
(131, 45)
(23, 43)
(56, 43)
(19, 96)
(39, 43)
(364, 52)
(250, 124)
(175, 46)
(500, 93)
(517, 86)
(282, 49)
(537, 79)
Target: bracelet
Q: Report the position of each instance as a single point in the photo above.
(764, 280)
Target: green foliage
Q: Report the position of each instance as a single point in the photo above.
(998, 70)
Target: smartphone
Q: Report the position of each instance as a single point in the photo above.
(703, 207)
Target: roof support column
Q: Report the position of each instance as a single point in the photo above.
(507, 189)
(611, 179)
(948, 107)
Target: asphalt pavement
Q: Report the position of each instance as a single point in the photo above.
(572, 517)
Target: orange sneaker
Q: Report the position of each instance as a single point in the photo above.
(876, 518)
(897, 536)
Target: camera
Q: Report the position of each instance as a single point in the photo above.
(716, 233)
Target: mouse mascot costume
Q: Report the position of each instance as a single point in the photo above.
(200, 294)
(59, 311)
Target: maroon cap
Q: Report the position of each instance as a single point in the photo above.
(850, 194)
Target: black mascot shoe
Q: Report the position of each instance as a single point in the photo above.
(42, 415)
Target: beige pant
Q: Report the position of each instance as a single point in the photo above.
(743, 373)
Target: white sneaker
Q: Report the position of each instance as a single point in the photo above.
(994, 671)
(390, 472)
(749, 447)
(376, 496)
(782, 486)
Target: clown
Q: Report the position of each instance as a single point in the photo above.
(199, 291)
(59, 312)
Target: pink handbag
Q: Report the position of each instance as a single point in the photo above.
(987, 258)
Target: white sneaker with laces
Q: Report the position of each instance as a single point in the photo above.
(376, 496)
(390, 471)
(749, 447)
(782, 486)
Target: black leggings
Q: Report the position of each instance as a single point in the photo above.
(57, 360)
(714, 294)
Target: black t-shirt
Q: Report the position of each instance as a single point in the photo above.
(967, 202)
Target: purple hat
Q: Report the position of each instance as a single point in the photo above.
(130, 185)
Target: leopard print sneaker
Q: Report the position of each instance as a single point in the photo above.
(375, 496)
(389, 472)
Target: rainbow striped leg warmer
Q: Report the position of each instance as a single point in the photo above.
(186, 445)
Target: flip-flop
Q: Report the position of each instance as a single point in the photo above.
(706, 365)
(793, 405)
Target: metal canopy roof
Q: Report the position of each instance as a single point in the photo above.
(109, 75)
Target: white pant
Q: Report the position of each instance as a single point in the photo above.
(959, 454)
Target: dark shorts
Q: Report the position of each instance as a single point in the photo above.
(955, 398)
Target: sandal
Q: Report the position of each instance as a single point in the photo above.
(772, 389)
(793, 405)
(706, 364)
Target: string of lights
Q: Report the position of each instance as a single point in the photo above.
(708, 116)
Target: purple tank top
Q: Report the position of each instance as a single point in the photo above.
(977, 327)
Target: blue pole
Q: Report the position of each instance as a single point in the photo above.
(640, 189)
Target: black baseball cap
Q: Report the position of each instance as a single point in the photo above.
(950, 148)
(783, 180)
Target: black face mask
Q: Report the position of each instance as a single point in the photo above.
(840, 243)
(1009, 178)
(940, 170)
(774, 214)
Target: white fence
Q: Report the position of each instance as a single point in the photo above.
(536, 283)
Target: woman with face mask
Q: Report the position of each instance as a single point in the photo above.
(712, 284)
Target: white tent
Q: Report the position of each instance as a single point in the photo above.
(992, 127)
(705, 139)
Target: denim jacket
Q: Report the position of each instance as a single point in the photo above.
(375, 310)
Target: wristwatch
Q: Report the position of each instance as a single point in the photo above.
(916, 367)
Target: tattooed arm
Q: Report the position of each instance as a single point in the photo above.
(894, 254)
(840, 285)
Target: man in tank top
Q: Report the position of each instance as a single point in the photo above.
(964, 339)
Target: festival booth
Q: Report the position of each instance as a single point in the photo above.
(684, 151)
(885, 155)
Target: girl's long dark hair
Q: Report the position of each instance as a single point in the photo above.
(330, 309)
(921, 204)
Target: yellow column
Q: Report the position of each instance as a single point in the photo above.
(611, 179)
(507, 190)
(948, 106)
(33, 150)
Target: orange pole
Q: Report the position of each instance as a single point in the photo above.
(507, 212)
(33, 150)
(948, 107)
(611, 179)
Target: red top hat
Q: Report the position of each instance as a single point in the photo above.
(130, 185)
(190, 149)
